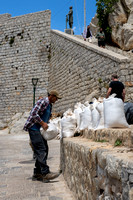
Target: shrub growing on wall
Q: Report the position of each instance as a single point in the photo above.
(104, 8)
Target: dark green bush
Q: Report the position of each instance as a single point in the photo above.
(104, 8)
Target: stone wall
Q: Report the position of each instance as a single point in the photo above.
(78, 68)
(97, 170)
(4, 17)
(24, 54)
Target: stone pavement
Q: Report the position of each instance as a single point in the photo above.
(16, 168)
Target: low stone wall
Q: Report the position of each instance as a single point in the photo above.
(97, 170)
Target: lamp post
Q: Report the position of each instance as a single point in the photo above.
(34, 83)
(84, 14)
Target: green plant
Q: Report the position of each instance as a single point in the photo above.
(101, 141)
(104, 8)
(100, 80)
(118, 142)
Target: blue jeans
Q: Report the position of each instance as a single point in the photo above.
(40, 148)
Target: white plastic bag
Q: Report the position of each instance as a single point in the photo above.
(100, 109)
(78, 108)
(95, 114)
(56, 122)
(51, 132)
(68, 113)
(68, 126)
(114, 116)
(85, 119)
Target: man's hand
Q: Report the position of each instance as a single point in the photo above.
(44, 125)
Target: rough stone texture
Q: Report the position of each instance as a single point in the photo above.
(101, 170)
(79, 68)
(111, 135)
(94, 25)
(4, 17)
(121, 22)
(24, 54)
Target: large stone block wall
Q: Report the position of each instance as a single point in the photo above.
(24, 54)
(79, 68)
(97, 170)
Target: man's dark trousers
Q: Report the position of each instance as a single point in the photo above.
(40, 147)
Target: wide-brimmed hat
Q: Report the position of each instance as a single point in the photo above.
(55, 93)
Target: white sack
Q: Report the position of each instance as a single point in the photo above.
(77, 116)
(114, 116)
(100, 109)
(95, 114)
(95, 118)
(78, 108)
(51, 132)
(68, 126)
(68, 112)
(56, 122)
(85, 119)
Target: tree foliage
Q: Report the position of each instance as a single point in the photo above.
(104, 8)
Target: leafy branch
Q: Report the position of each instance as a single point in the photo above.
(104, 8)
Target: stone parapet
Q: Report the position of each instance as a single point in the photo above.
(96, 170)
(124, 136)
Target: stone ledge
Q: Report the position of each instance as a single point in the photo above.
(111, 135)
(107, 53)
(91, 167)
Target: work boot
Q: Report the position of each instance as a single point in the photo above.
(37, 177)
(50, 176)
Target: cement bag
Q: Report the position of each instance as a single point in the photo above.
(85, 119)
(78, 108)
(51, 132)
(114, 116)
(95, 114)
(100, 109)
(56, 122)
(68, 112)
(68, 126)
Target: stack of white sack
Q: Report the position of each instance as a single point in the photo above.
(68, 124)
(78, 108)
(114, 116)
(85, 118)
(51, 132)
(102, 113)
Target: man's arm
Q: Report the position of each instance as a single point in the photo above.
(123, 94)
(44, 125)
(35, 112)
(108, 92)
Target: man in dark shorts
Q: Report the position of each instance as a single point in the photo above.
(116, 87)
